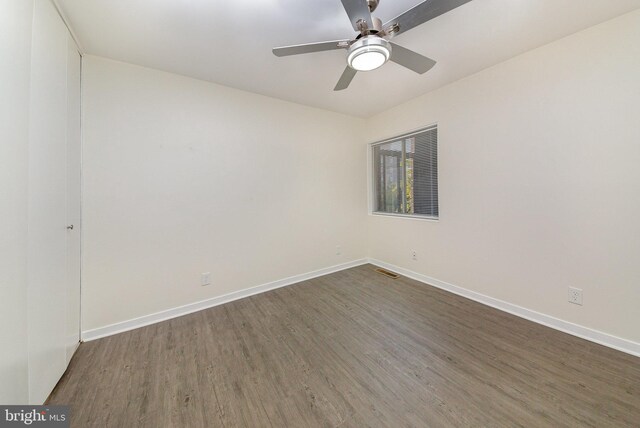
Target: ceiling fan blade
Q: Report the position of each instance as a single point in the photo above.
(358, 10)
(410, 59)
(346, 78)
(425, 11)
(311, 47)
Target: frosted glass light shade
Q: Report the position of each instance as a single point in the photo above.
(368, 53)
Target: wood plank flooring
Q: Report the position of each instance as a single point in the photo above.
(350, 349)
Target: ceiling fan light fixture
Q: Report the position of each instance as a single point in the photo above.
(369, 53)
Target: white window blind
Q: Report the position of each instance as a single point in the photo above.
(405, 174)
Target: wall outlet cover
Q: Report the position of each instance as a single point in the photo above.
(575, 296)
(205, 278)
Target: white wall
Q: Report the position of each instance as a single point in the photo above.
(538, 183)
(182, 176)
(539, 164)
(15, 51)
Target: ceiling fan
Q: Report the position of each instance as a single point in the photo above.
(371, 48)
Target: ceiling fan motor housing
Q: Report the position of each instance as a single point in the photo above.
(365, 30)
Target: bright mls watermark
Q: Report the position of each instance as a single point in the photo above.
(34, 416)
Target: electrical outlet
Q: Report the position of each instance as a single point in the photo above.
(338, 250)
(414, 255)
(205, 278)
(575, 296)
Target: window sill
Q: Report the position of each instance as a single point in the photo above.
(406, 216)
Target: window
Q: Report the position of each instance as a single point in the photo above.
(405, 174)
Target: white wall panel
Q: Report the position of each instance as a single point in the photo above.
(182, 177)
(539, 181)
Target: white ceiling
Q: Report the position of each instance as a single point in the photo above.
(229, 42)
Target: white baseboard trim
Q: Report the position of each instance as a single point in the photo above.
(145, 320)
(596, 336)
(592, 335)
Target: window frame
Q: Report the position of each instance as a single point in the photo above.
(372, 178)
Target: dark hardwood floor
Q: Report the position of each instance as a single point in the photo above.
(350, 349)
